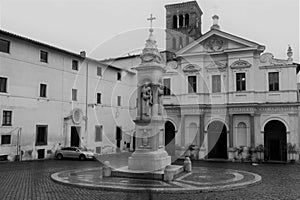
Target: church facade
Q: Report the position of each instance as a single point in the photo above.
(225, 95)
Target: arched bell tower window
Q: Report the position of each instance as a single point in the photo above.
(174, 21)
(187, 20)
(180, 21)
(174, 43)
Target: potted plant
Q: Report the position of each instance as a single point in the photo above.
(292, 152)
(231, 153)
(252, 154)
(260, 152)
(240, 153)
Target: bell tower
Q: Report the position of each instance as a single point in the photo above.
(183, 24)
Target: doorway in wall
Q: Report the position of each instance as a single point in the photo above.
(75, 136)
(118, 138)
(275, 141)
(170, 138)
(217, 140)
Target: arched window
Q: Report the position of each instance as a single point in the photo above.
(192, 133)
(180, 21)
(174, 43)
(241, 134)
(180, 43)
(187, 20)
(174, 21)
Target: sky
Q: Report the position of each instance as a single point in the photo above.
(113, 28)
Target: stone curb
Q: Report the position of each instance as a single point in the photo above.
(257, 179)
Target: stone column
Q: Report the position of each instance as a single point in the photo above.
(201, 128)
(183, 131)
(252, 132)
(230, 130)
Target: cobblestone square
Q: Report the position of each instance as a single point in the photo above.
(31, 180)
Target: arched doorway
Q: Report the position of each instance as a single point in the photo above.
(170, 138)
(275, 141)
(217, 140)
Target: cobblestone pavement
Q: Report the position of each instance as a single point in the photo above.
(31, 180)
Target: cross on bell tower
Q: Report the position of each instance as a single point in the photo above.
(151, 19)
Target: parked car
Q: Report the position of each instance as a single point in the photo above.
(74, 152)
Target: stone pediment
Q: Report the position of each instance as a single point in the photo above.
(216, 67)
(190, 68)
(216, 41)
(240, 64)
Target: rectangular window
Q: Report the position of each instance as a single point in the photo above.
(167, 86)
(74, 94)
(192, 87)
(41, 135)
(98, 150)
(44, 56)
(98, 98)
(99, 71)
(240, 81)
(7, 118)
(43, 90)
(98, 133)
(5, 139)
(4, 46)
(3, 84)
(119, 76)
(216, 83)
(273, 81)
(75, 65)
(119, 100)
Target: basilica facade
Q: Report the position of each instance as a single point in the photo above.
(224, 94)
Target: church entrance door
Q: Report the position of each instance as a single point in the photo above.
(275, 141)
(217, 141)
(170, 138)
(75, 139)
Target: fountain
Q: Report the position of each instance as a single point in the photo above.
(150, 156)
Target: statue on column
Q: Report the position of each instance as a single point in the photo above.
(147, 99)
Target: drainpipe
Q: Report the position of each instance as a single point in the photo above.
(83, 55)
(86, 103)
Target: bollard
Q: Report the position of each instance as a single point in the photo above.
(168, 174)
(187, 164)
(101, 173)
(106, 169)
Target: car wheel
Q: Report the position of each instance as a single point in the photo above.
(59, 156)
(81, 157)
